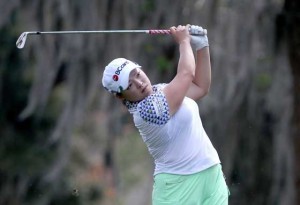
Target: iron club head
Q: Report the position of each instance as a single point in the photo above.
(21, 40)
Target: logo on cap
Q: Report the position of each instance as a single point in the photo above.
(120, 68)
(118, 71)
(115, 77)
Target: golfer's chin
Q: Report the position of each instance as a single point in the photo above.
(147, 91)
(142, 96)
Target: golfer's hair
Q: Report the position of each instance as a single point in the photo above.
(118, 94)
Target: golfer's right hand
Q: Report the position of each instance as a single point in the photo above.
(180, 33)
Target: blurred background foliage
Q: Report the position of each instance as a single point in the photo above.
(64, 140)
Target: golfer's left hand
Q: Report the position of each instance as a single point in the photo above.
(198, 41)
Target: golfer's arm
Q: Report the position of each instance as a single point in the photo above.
(201, 83)
(177, 89)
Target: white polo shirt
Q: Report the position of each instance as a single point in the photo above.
(178, 143)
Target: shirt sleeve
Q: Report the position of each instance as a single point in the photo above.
(154, 109)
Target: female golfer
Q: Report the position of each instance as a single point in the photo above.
(187, 166)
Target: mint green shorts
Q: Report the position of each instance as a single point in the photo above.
(207, 187)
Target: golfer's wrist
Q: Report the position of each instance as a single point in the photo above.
(202, 47)
(184, 42)
(201, 50)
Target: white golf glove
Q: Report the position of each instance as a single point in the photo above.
(199, 39)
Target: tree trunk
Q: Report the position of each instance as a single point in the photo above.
(292, 17)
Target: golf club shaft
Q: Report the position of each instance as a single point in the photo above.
(22, 39)
(99, 31)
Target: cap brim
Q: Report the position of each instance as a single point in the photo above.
(125, 76)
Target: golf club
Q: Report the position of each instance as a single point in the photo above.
(22, 39)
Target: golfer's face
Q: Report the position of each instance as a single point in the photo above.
(139, 86)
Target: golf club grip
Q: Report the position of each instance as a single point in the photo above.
(157, 31)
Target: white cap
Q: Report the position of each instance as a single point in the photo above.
(116, 74)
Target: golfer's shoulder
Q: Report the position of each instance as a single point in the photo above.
(156, 96)
(154, 108)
